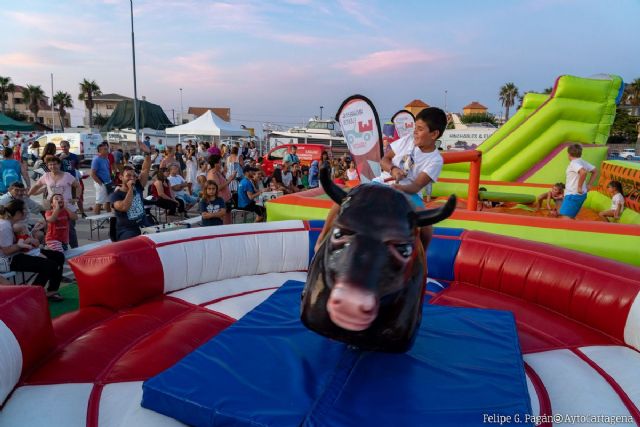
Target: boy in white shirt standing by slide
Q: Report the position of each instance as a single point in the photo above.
(575, 192)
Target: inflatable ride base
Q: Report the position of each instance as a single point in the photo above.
(267, 369)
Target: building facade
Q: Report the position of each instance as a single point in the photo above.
(103, 105)
(15, 101)
(474, 108)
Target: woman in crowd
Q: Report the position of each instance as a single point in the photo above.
(40, 166)
(352, 172)
(161, 190)
(57, 182)
(191, 164)
(48, 269)
(217, 175)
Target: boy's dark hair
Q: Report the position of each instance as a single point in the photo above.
(575, 150)
(435, 118)
(560, 185)
(617, 185)
(8, 152)
(16, 184)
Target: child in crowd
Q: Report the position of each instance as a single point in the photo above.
(556, 194)
(199, 185)
(21, 230)
(305, 177)
(614, 188)
(338, 176)
(577, 184)
(58, 217)
(212, 207)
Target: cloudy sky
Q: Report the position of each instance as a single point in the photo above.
(280, 60)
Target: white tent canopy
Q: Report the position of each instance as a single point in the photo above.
(208, 124)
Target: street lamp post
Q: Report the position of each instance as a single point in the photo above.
(321, 107)
(181, 109)
(135, 87)
(445, 100)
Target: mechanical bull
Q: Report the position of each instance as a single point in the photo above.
(366, 282)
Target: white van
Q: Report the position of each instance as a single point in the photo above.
(85, 145)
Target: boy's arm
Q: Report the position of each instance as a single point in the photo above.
(582, 173)
(54, 215)
(549, 200)
(386, 163)
(592, 179)
(417, 185)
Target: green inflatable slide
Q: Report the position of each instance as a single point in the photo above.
(531, 146)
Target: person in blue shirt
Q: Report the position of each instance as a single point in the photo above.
(314, 175)
(101, 174)
(11, 171)
(292, 156)
(247, 194)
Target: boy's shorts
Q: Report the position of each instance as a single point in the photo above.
(571, 205)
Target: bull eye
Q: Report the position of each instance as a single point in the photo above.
(404, 249)
(337, 233)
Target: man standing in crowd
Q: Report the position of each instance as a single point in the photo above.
(101, 175)
(292, 157)
(127, 199)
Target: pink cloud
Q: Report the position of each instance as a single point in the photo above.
(388, 60)
(22, 60)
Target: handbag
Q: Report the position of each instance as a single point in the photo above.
(5, 265)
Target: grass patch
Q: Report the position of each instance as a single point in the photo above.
(70, 303)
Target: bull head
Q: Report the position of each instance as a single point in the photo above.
(366, 283)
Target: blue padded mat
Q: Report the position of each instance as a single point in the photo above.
(267, 369)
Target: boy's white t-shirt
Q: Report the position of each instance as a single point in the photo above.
(413, 161)
(573, 177)
(616, 200)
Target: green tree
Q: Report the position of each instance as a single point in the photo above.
(88, 89)
(16, 115)
(624, 129)
(100, 119)
(6, 88)
(507, 96)
(632, 93)
(479, 118)
(63, 101)
(33, 95)
(547, 90)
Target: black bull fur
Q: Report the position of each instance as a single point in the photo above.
(374, 251)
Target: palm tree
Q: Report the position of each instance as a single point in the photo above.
(88, 89)
(6, 87)
(508, 95)
(632, 93)
(63, 101)
(33, 95)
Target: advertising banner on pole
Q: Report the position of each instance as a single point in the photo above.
(360, 125)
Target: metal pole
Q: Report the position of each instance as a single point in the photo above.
(181, 109)
(445, 101)
(321, 107)
(53, 117)
(135, 87)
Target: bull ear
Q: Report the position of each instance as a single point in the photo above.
(336, 193)
(432, 216)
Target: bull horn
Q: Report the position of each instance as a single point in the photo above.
(432, 216)
(336, 193)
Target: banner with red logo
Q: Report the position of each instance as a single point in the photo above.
(360, 125)
(404, 122)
